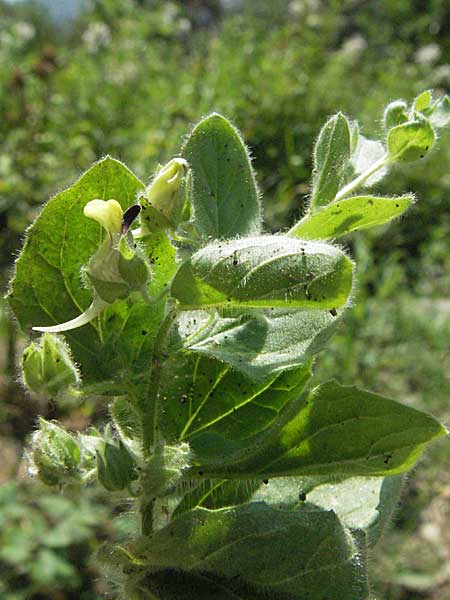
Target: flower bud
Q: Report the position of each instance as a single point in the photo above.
(47, 368)
(164, 199)
(55, 454)
(115, 467)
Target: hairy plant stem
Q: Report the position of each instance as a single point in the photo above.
(150, 403)
(358, 181)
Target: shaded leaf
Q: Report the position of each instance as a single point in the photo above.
(289, 548)
(201, 395)
(260, 347)
(334, 430)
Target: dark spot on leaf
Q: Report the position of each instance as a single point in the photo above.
(333, 312)
(302, 496)
(265, 481)
(144, 332)
(387, 458)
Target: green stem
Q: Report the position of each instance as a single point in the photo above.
(150, 404)
(358, 181)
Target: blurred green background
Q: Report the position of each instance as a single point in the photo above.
(129, 78)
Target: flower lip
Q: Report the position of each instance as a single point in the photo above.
(106, 212)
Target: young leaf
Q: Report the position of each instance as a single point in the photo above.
(395, 114)
(410, 141)
(261, 347)
(224, 195)
(331, 155)
(337, 430)
(264, 272)
(423, 101)
(351, 214)
(228, 543)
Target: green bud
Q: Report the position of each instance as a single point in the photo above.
(115, 467)
(47, 367)
(395, 114)
(411, 140)
(164, 199)
(55, 454)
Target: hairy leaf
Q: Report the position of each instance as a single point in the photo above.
(46, 288)
(334, 430)
(218, 493)
(263, 345)
(331, 155)
(201, 395)
(364, 503)
(351, 214)
(264, 272)
(410, 141)
(224, 195)
(289, 548)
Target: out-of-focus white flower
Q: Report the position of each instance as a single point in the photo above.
(354, 44)
(23, 31)
(123, 73)
(296, 8)
(183, 25)
(441, 75)
(96, 36)
(427, 55)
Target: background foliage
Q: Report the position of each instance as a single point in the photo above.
(128, 78)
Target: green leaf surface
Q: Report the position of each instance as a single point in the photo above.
(334, 430)
(331, 155)
(410, 141)
(279, 552)
(364, 503)
(423, 101)
(218, 493)
(203, 396)
(224, 194)
(46, 288)
(264, 272)
(351, 214)
(263, 345)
